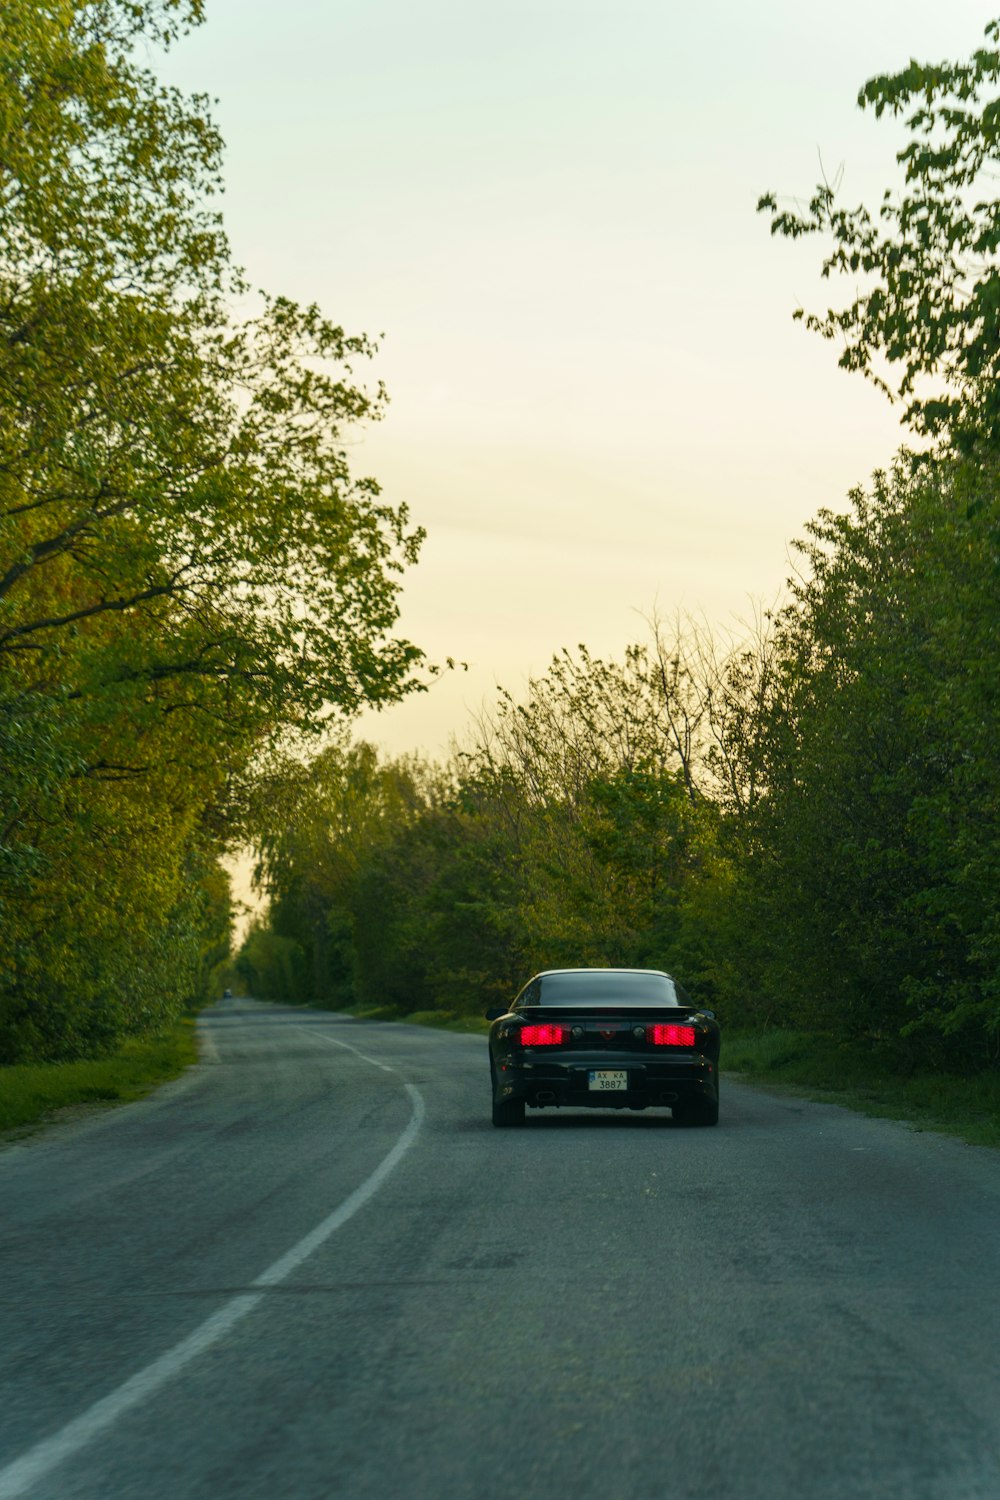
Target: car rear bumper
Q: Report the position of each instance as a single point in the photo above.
(666, 1082)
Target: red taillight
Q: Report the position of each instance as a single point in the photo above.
(670, 1036)
(543, 1036)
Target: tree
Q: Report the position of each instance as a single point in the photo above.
(877, 854)
(188, 567)
(876, 838)
(330, 826)
(926, 329)
(591, 822)
(607, 767)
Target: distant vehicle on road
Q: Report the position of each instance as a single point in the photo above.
(227, 994)
(604, 1039)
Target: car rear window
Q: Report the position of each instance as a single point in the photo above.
(606, 987)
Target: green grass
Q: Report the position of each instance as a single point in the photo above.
(863, 1078)
(33, 1093)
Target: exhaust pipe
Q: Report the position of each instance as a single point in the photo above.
(545, 1096)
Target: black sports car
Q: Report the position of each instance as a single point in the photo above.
(604, 1039)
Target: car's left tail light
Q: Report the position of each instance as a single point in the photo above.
(664, 1035)
(544, 1036)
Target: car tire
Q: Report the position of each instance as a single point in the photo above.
(508, 1111)
(505, 1111)
(698, 1112)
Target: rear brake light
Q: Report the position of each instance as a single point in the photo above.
(543, 1036)
(670, 1036)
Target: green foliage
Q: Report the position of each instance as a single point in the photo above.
(879, 847)
(188, 568)
(272, 967)
(162, 469)
(118, 930)
(928, 258)
(866, 1078)
(876, 843)
(567, 834)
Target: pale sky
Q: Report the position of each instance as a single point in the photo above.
(600, 405)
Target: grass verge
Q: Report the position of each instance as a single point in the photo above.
(32, 1093)
(818, 1067)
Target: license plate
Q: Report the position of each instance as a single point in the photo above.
(608, 1078)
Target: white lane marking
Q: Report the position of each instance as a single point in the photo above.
(32, 1466)
(312, 1241)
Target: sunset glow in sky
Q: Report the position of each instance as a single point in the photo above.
(600, 406)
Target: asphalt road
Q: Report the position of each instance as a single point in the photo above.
(311, 1268)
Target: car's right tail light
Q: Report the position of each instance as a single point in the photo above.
(666, 1034)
